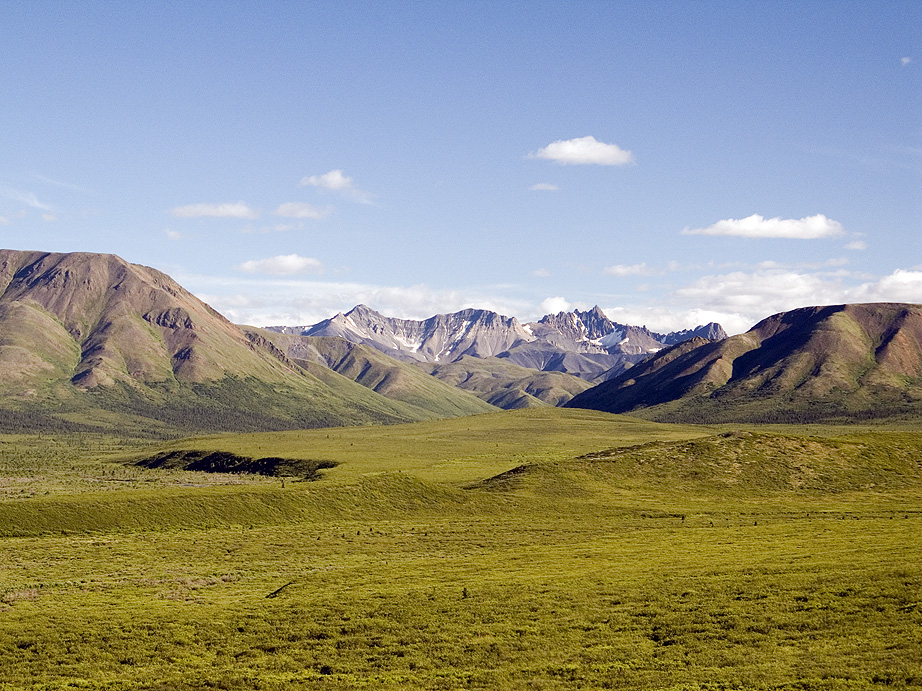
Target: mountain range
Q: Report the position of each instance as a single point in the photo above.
(586, 344)
(90, 341)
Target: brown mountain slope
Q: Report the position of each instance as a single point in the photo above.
(110, 321)
(814, 363)
(85, 335)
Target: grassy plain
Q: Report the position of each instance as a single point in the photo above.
(693, 561)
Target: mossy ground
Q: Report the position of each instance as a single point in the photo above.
(402, 578)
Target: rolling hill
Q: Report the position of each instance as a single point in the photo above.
(839, 362)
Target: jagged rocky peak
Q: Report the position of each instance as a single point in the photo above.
(597, 325)
(440, 338)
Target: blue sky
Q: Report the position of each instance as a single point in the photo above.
(673, 162)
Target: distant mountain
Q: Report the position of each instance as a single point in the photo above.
(585, 344)
(91, 338)
(816, 363)
(442, 338)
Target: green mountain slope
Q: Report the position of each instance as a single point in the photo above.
(91, 340)
(507, 385)
(399, 381)
(816, 363)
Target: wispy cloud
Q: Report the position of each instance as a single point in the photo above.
(544, 187)
(629, 270)
(282, 265)
(172, 234)
(58, 183)
(27, 198)
(857, 245)
(584, 151)
(302, 210)
(225, 210)
(756, 226)
(339, 182)
(905, 61)
(4, 221)
(541, 273)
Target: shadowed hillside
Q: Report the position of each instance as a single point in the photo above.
(812, 364)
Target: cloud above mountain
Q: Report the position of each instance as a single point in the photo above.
(282, 265)
(756, 226)
(584, 151)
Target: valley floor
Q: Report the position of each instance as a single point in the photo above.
(394, 580)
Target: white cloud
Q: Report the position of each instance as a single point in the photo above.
(294, 301)
(756, 226)
(663, 319)
(902, 285)
(544, 187)
(27, 198)
(584, 151)
(905, 61)
(555, 305)
(226, 210)
(334, 180)
(337, 181)
(172, 234)
(541, 273)
(302, 210)
(761, 292)
(628, 270)
(4, 221)
(748, 296)
(857, 245)
(282, 265)
(49, 217)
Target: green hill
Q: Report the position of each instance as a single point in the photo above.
(507, 385)
(738, 465)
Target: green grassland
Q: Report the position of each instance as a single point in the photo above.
(534, 549)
